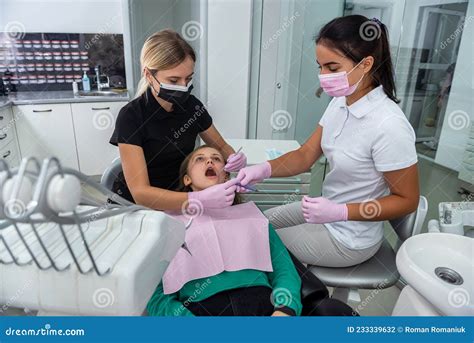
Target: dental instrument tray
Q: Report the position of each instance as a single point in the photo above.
(69, 246)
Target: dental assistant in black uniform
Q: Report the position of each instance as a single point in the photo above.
(158, 129)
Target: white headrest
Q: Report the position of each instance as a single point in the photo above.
(64, 193)
(15, 207)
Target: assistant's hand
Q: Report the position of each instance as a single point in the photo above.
(235, 162)
(218, 196)
(321, 210)
(254, 174)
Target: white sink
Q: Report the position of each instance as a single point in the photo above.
(422, 257)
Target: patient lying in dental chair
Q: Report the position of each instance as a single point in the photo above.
(236, 264)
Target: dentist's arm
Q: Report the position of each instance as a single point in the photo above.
(292, 163)
(403, 199)
(136, 176)
(299, 161)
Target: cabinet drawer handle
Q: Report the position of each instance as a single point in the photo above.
(3, 136)
(8, 153)
(41, 111)
(100, 108)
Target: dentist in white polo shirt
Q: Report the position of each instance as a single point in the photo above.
(369, 145)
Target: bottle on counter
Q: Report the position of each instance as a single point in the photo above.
(75, 88)
(86, 85)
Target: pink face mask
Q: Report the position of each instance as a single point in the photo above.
(337, 84)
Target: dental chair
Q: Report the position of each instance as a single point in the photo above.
(111, 173)
(62, 253)
(378, 272)
(314, 294)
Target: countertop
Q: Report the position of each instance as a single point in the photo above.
(55, 97)
(257, 150)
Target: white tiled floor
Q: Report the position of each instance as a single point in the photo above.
(375, 302)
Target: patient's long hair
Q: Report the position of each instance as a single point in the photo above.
(183, 170)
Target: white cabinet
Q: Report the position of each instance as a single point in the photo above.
(94, 124)
(8, 142)
(46, 131)
(10, 154)
(77, 134)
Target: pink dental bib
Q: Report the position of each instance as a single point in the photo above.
(229, 239)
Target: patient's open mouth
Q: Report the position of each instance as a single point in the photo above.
(210, 172)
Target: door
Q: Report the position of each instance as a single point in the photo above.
(432, 60)
(287, 106)
(187, 17)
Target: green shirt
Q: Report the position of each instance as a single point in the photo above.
(284, 280)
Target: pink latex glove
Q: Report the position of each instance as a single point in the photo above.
(254, 174)
(218, 196)
(321, 210)
(235, 162)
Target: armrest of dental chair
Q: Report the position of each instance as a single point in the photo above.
(111, 173)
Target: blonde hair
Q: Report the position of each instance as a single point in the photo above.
(163, 50)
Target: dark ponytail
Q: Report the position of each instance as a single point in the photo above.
(357, 37)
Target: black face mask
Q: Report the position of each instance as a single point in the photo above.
(177, 95)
